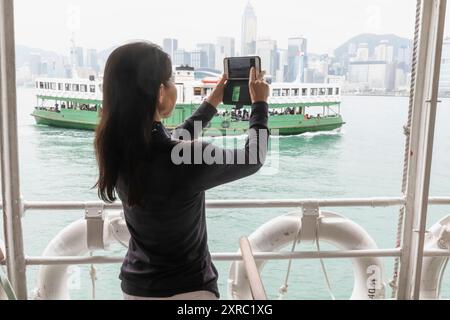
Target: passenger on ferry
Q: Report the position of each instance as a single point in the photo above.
(164, 200)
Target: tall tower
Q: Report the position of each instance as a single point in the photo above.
(297, 59)
(248, 34)
(170, 46)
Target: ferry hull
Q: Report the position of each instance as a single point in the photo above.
(219, 126)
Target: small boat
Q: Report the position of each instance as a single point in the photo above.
(295, 108)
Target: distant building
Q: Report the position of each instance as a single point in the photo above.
(170, 46)
(53, 67)
(282, 66)
(297, 59)
(445, 68)
(92, 60)
(78, 57)
(199, 59)
(181, 58)
(401, 80)
(374, 75)
(267, 50)
(35, 64)
(404, 56)
(318, 68)
(225, 48)
(362, 53)
(210, 50)
(384, 52)
(249, 31)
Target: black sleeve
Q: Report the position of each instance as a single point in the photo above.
(207, 166)
(203, 114)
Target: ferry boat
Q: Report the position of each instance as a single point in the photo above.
(295, 108)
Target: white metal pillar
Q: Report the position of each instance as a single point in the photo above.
(421, 146)
(9, 156)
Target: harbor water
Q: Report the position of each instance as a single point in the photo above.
(363, 159)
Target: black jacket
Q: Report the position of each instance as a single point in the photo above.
(168, 252)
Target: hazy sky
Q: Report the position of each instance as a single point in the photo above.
(101, 23)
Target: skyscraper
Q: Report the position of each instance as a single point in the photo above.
(199, 59)
(224, 49)
(79, 57)
(404, 57)
(92, 60)
(170, 46)
(210, 50)
(248, 33)
(181, 57)
(282, 65)
(267, 50)
(297, 59)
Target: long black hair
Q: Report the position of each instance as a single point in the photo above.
(133, 76)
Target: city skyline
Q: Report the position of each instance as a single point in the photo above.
(380, 62)
(95, 28)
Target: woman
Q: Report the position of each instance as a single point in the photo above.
(163, 197)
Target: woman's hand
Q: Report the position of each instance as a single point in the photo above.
(216, 97)
(259, 89)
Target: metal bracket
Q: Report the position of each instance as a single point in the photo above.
(444, 238)
(311, 212)
(95, 218)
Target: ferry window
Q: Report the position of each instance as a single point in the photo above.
(197, 91)
(337, 91)
(45, 85)
(294, 92)
(92, 89)
(314, 91)
(53, 85)
(75, 87)
(304, 92)
(83, 88)
(285, 92)
(330, 91)
(67, 87)
(276, 92)
(322, 91)
(37, 85)
(41, 85)
(60, 86)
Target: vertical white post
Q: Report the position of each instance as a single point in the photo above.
(9, 156)
(421, 147)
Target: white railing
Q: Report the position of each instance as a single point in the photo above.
(243, 204)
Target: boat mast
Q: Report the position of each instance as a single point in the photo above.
(9, 154)
(421, 147)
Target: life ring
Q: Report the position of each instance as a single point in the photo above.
(226, 124)
(332, 228)
(6, 290)
(52, 281)
(433, 268)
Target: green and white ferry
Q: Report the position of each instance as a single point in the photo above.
(295, 108)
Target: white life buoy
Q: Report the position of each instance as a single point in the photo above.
(332, 228)
(433, 268)
(52, 281)
(5, 287)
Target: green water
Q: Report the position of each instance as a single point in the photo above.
(365, 159)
